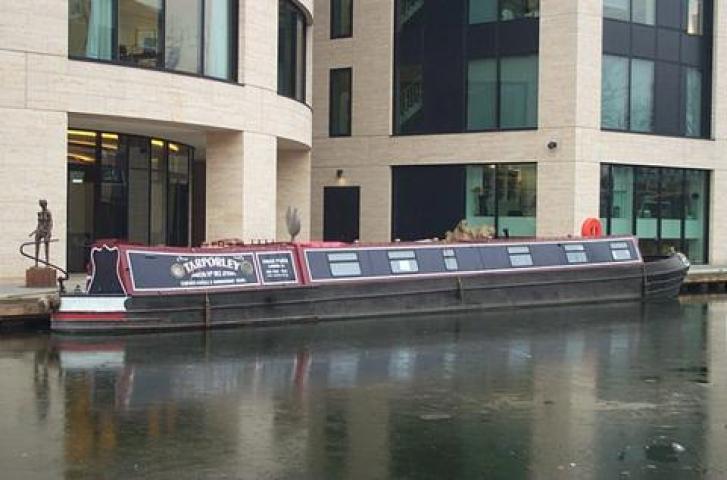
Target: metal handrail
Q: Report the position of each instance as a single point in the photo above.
(60, 280)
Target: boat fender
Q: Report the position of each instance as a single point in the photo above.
(592, 228)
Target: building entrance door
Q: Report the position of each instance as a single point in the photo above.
(341, 214)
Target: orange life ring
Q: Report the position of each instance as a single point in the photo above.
(592, 228)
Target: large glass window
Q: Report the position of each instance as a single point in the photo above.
(219, 28)
(126, 187)
(519, 92)
(90, 28)
(430, 200)
(341, 18)
(482, 94)
(156, 34)
(138, 35)
(642, 95)
(695, 17)
(656, 67)
(614, 92)
(504, 197)
(465, 66)
(665, 207)
(340, 104)
(694, 102)
(183, 35)
(291, 51)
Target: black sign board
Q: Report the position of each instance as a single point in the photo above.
(171, 271)
(277, 267)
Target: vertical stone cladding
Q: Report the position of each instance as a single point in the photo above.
(32, 138)
(241, 186)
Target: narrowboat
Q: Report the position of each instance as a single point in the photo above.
(135, 288)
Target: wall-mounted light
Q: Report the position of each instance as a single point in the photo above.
(552, 145)
(339, 174)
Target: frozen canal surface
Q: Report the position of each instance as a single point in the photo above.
(608, 393)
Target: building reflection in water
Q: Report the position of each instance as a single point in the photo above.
(540, 394)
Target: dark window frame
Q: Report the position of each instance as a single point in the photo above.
(331, 111)
(300, 14)
(333, 34)
(161, 54)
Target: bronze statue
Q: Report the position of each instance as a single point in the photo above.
(43, 231)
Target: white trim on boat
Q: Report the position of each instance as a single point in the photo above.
(92, 303)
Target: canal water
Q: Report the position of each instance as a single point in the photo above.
(624, 391)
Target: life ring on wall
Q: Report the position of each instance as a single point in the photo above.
(591, 228)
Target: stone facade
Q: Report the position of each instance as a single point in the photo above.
(569, 114)
(244, 127)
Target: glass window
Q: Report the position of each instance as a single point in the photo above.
(345, 269)
(671, 198)
(482, 11)
(218, 37)
(621, 254)
(482, 94)
(341, 18)
(343, 257)
(182, 35)
(670, 205)
(622, 201)
(81, 189)
(178, 195)
(513, 9)
(695, 17)
(158, 217)
(644, 11)
(404, 266)
(642, 95)
(401, 254)
(519, 92)
(617, 9)
(340, 102)
(138, 34)
(516, 199)
(576, 257)
(614, 92)
(90, 28)
(450, 259)
(138, 211)
(521, 260)
(291, 51)
(694, 102)
(695, 224)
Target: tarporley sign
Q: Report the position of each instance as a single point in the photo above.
(171, 271)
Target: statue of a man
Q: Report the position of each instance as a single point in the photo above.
(43, 231)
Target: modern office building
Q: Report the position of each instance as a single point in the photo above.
(158, 121)
(526, 115)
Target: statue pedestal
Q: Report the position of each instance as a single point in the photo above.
(40, 277)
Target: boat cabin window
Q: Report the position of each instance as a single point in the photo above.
(403, 261)
(344, 264)
(520, 256)
(450, 259)
(620, 251)
(575, 253)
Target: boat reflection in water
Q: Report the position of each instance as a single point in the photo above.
(541, 394)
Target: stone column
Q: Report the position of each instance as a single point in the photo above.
(569, 106)
(294, 190)
(241, 186)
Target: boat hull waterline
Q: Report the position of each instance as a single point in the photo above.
(141, 288)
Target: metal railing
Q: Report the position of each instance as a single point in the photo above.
(61, 280)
